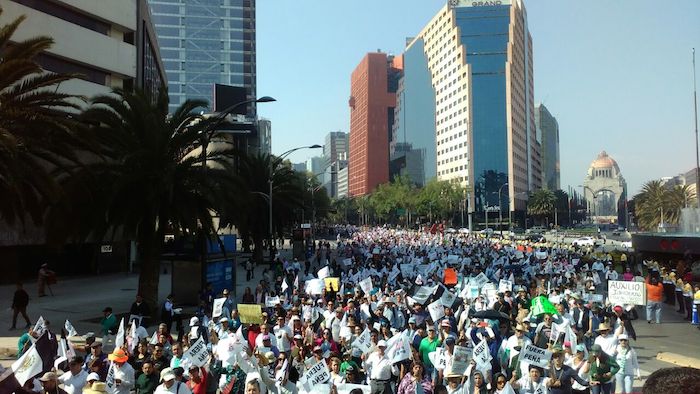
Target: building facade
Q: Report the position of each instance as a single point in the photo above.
(471, 68)
(548, 136)
(372, 101)
(315, 165)
(605, 191)
(335, 146)
(342, 183)
(205, 42)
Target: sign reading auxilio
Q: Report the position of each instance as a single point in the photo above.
(632, 293)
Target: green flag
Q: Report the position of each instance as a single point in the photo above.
(541, 305)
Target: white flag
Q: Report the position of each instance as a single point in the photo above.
(40, 326)
(27, 366)
(119, 341)
(285, 286)
(154, 338)
(70, 329)
(507, 389)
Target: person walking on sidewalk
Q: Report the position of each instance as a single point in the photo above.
(655, 294)
(44, 278)
(19, 306)
(248, 270)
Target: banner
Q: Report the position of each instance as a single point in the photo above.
(272, 302)
(110, 378)
(438, 358)
(332, 284)
(317, 374)
(250, 313)
(347, 262)
(346, 388)
(437, 311)
(218, 307)
(533, 355)
(460, 360)
(481, 355)
(505, 285)
(627, 293)
(363, 341)
(196, 355)
(28, 366)
(366, 285)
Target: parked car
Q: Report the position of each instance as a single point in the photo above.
(584, 241)
(536, 238)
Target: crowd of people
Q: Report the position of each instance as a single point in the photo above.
(385, 311)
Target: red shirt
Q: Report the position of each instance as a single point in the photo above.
(201, 386)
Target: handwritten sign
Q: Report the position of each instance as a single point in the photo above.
(481, 355)
(218, 307)
(317, 374)
(534, 355)
(196, 355)
(623, 293)
(250, 313)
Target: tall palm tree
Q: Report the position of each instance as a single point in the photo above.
(657, 204)
(36, 130)
(541, 203)
(149, 177)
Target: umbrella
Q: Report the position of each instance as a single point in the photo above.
(491, 314)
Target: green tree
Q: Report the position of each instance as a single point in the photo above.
(439, 200)
(36, 129)
(541, 204)
(658, 203)
(148, 179)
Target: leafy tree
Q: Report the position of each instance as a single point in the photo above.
(541, 203)
(36, 128)
(658, 203)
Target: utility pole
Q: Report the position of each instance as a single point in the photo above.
(697, 151)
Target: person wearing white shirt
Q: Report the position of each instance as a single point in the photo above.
(170, 385)
(123, 372)
(607, 339)
(75, 379)
(533, 383)
(265, 331)
(283, 335)
(380, 368)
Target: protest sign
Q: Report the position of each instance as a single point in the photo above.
(366, 285)
(111, 385)
(271, 302)
(505, 285)
(437, 311)
(450, 276)
(623, 292)
(588, 297)
(332, 284)
(70, 329)
(317, 374)
(314, 286)
(363, 341)
(346, 388)
(438, 358)
(448, 298)
(196, 355)
(250, 313)
(534, 355)
(398, 348)
(481, 355)
(323, 272)
(422, 294)
(480, 280)
(218, 307)
(460, 360)
(40, 326)
(541, 255)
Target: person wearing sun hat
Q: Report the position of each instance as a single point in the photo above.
(123, 372)
(170, 385)
(50, 383)
(607, 339)
(96, 388)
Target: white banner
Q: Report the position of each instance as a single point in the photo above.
(110, 378)
(366, 285)
(196, 355)
(505, 285)
(533, 355)
(593, 297)
(271, 302)
(437, 311)
(481, 355)
(40, 326)
(347, 262)
(624, 293)
(399, 350)
(218, 307)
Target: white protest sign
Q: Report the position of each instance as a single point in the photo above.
(593, 297)
(323, 272)
(70, 329)
(534, 355)
(317, 374)
(460, 360)
(438, 358)
(422, 294)
(481, 355)
(437, 311)
(398, 349)
(363, 341)
(448, 298)
(480, 280)
(110, 378)
(218, 307)
(366, 285)
(40, 326)
(541, 255)
(271, 302)
(315, 286)
(623, 293)
(505, 285)
(196, 355)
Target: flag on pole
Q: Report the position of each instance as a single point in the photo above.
(285, 286)
(154, 338)
(70, 329)
(27, 366)
(40, 326)
(119, 340)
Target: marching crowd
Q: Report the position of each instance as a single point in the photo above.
(384, 311)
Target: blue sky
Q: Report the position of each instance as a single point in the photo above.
(617, 75)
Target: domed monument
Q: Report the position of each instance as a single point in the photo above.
(605, 191)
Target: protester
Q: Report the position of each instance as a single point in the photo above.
(147, 381)
(75, 379)
(49, 383)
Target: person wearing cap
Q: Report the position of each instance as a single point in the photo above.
(380, 370)
(123, 372)
(620, 317)
(603, 371)
(197, 330)
(607, 339)
(147, 381)
(49, 382)
(170, 385)
(579, 362)
(626, 358)
(427, 346)
(96, 353)
(108, 322)
(75, 379)
(562, 375)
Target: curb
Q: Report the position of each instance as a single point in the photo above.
(677, 359)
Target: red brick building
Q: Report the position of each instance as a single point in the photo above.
(372, 101)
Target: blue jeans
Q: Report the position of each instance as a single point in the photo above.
(623, 383)
(654, 307)
(603, 388)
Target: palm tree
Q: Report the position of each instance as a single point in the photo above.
(657, 204)
(148, 179)
(541, 203)
(36, 130)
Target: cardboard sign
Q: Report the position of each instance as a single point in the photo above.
(250, 313)
(533, 355)
(624, 293)
(460, 360)
(481, 355)
(332, 284)
(196, 355)
(218, 307)
(505, 285)
(448, 298)
(437, 311)
(363, 342)
(366, 285)
(317, 374)
(438, 358)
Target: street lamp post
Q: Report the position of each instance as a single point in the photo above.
(500, 208)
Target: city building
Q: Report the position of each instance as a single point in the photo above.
(315, 166)
(407, 162)
(206, 42)
(373, 88)
(605, 191)
(466, 100)
(548, 136)
(264, 136)
(299, 167)
(336, 144)
(330, 175)
(342, 191)
(123, 48)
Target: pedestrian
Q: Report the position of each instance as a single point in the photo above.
(108, 322)
(46, 277)
(602, 372)
(655, 293)
(248, 270)
(629, 367)
(19, 306)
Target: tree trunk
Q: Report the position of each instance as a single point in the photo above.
(150, 248)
